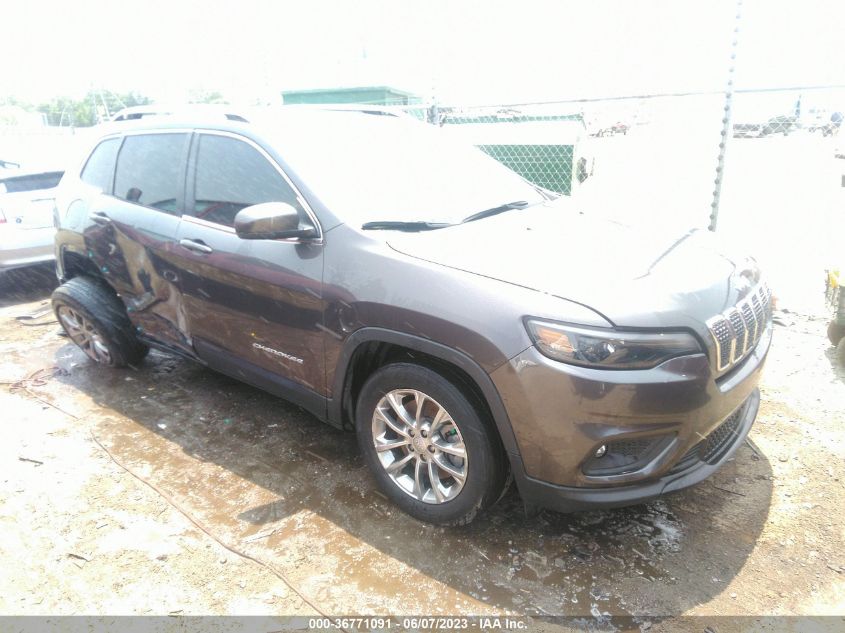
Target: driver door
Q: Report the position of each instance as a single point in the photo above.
(254, 308)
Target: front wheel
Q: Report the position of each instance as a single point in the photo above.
(428, 447)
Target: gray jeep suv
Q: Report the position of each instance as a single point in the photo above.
(466, 326)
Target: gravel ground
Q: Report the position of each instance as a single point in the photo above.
(169, 489)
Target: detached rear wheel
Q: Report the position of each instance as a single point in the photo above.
(429, 448)
(95, 319)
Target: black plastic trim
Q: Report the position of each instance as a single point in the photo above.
(239, 369)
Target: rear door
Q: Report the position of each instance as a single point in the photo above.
(132, 228)
(254, 307)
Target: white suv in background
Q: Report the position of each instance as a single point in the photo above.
(26, 216)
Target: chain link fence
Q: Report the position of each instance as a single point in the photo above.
(542, 148)
(763, 114)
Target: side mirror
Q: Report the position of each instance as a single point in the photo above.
(271, 221)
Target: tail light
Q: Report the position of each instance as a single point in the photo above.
(2, 217)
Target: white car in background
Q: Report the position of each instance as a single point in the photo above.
(26, 216)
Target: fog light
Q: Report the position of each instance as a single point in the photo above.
(624, 455)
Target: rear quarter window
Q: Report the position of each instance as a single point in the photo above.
(99, 168)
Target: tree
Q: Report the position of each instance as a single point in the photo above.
(95, 107)
(200, 95)
(65, 111)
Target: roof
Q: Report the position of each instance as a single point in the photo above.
(187, 116)
(250, 121)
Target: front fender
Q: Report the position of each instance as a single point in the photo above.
(436, 350)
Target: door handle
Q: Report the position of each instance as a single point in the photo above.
(196, 245)
(100, 217)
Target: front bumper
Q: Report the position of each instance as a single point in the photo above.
(562, 414)
(569, 499)
(25, 247)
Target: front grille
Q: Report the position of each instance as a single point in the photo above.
(691, 457)
(737, 330)
(722, 436)
(712, 447)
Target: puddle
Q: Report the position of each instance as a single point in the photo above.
(267, 474)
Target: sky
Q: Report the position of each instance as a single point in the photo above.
(457, 52)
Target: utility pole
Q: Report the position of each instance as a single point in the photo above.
(727, 128)
(433, 113)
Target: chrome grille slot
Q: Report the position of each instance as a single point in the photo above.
(723, 334)
(758, 314)
(767, 302)
(750, 322)
(740, 327)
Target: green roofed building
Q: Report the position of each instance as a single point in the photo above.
(370, 95)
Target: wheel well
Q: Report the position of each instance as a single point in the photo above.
(74, 265)
(372, 355)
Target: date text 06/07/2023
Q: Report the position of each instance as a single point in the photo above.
(420, 623)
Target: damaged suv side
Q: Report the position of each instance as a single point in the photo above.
(466, 326)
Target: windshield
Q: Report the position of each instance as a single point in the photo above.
(368, 168)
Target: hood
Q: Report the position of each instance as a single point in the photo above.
(633, 276)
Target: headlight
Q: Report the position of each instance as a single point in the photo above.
(608, 349)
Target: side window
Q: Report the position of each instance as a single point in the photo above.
(150, 171)
(231, 175)
(99, 169)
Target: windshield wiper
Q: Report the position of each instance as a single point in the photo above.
(419, 225)
(518, 204)
(395, 225)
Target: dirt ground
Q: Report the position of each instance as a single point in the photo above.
(170, 489)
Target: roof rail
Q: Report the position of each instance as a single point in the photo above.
(135, 113)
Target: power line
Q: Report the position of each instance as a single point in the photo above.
(659, 95)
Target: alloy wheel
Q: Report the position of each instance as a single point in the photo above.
(420, 446)
(84, 334)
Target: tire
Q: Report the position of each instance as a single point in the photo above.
(452, 500)
(840, 352)
(835, 332)
(95, 319)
